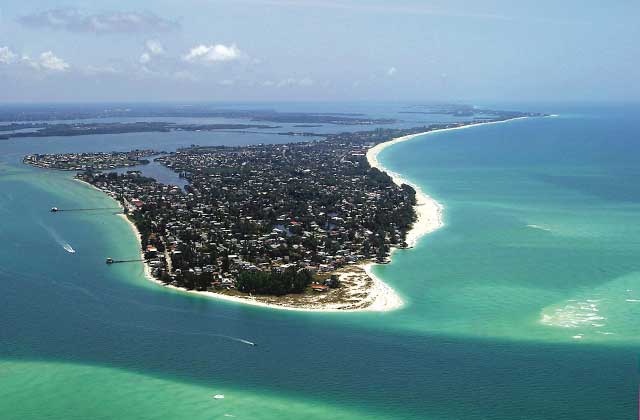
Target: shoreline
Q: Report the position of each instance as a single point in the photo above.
(429, 211)
(380, 296)
(134, 229)
(383, 298)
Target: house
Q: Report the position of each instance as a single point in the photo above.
(319, 288)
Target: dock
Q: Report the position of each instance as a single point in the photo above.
(112, 261)
(57, 210)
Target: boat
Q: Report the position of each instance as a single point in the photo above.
(219, 396)
(109, 260)
(54, 209)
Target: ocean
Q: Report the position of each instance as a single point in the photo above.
(526, 305)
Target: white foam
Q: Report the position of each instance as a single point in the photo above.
(546, 229)
(56, 237)
(575, 314)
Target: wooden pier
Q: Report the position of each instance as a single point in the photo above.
(57, 210)
(112, 261)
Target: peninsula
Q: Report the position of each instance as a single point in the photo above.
(295, 226)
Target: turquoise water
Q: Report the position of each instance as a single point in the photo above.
(542, 219)
(540, 247)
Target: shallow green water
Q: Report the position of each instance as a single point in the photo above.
(537, 246)
(542, 223)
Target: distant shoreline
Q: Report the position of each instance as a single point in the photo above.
(429, 212)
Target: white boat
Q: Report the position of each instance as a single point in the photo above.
(69, 249)
(219, 397)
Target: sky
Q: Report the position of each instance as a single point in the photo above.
(319, 50)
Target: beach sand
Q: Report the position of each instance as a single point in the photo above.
(429, 212)
(365, 291)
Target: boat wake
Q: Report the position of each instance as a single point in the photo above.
(204, 334)
(240, 340)
(546, 229)
(56, 237)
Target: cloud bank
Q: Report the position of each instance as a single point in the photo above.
(75, 20)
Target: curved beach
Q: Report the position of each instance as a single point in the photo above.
(429, 212)
(372, 293)
(379, 296)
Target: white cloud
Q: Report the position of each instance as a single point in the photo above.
(145, 58)
(212, 53)
(7, 56)
(391, 71)
(154, 47)
(49, 61)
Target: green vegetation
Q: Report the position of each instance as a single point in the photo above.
(275, 282)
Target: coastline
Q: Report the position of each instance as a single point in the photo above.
(429, 212)
(380, 297)
(134, 229)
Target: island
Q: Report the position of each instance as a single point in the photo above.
(88, 129)
(295, 226)
(99, 161)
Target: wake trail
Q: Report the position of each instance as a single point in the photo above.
(57, 238)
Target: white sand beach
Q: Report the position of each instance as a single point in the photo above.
(429, 211)
(368, 291)
(362, 290)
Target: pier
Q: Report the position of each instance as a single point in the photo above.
(57, 210)
(112, 261)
